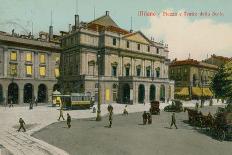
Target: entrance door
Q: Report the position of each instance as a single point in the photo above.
(141, 94)
(13, 93)
(126, 94)
(152, 93)
(42, 93)
(27, 93)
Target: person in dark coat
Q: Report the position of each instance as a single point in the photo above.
(173, 121)
(144, 118)
(110, 118)
(68, 120)
(22, 123)
(149, 118)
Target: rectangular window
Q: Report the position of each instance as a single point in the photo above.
(148, 48)
(57, 72)
(28, 57)
(13, 69)
(28, 70)
(128, 44)
(157, 51)
(114, 71)
(138, 71)
(148, 72)
(138, 46)
(42, 71)
(127, 71)
(42, 59)
(114, 41)
(13, 56)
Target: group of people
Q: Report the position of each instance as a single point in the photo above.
(62, 116)
(22, 123)
(147, 118)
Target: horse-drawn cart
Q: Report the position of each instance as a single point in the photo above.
(154, 109)
(222, 126)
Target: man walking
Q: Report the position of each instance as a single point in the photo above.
(110, 118)
(173, 121)
(22, 123)
(125, 112)
(61, 114)
(68, 120)
(144, 118)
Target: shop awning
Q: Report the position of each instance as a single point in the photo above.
(197, 91)
(207, 92)
(184, 91)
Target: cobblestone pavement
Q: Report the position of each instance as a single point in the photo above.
(40, 117)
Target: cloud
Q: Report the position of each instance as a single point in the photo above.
(198, 37)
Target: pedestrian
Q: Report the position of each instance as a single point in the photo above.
(68, 120)
(61, 114)
(110, 118)
(197, 106)
(11, 102)
(22, 123)
(173, 121)
(94, 109)
(31, 104)
(125, 112)
(110, 108)
(144, 118)
(36, 101)
(149, 118)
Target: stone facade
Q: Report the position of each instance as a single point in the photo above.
(25, 81)
(131, 67)
(191, 73)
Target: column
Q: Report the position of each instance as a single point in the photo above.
(132, 67)
(122, 67)
(5, 61)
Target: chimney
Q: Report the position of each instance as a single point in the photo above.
(69, 28)
(131, 31)
(107, 13)
(77, 23)
(50, 33)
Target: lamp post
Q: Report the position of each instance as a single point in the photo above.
(202, 95)
(98, 118)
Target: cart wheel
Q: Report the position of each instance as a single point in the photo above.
(221, 135)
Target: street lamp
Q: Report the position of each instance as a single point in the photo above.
(98, 118)
(202, 95)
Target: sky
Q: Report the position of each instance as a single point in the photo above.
(194, 36)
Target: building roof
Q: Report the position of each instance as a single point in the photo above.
(105, 20)
(24, 40)
(221, 58)
(137, 36)
(192, 62)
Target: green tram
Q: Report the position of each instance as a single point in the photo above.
(74, 101)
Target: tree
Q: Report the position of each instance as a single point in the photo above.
(222, 82)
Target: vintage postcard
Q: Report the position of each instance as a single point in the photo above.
(115, 77)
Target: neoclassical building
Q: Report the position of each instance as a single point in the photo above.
(192, 78)
(130, 67)
(28, 66)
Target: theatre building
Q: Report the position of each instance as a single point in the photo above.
(28, 67)
(130, 67)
